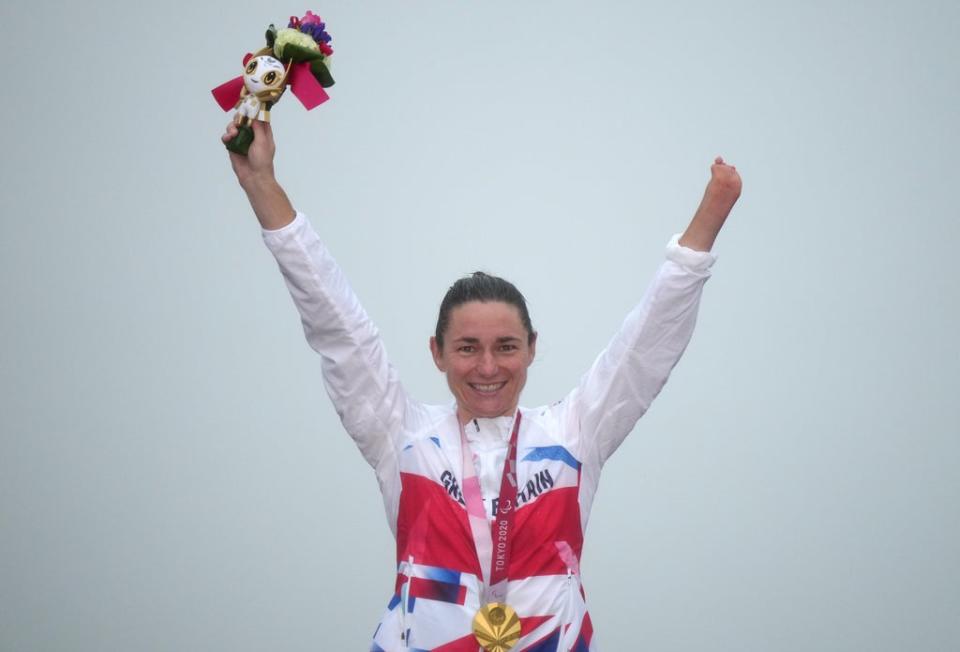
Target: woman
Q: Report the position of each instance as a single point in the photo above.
(488, 501)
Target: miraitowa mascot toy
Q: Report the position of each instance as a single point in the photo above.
(297, 56)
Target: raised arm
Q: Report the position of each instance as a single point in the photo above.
(362, 384)
(721, 194)
(632, 370)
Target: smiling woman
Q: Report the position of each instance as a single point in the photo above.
(484, 343)
(488, 501)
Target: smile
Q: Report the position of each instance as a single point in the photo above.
(488, 389)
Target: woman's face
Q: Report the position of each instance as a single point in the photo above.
(485, 355)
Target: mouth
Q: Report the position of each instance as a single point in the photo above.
(488, 388)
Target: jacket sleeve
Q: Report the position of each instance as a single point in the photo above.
(630, 372)
(362, 384)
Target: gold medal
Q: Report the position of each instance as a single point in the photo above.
(497, 627)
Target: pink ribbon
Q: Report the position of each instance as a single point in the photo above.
(306, 87)
(227, 95)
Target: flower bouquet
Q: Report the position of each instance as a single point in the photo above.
(297, 56)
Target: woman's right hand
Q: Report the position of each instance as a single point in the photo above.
(257, 165)
(255, 174)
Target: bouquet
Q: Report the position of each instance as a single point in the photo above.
(297, 56)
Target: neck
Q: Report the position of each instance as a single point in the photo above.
(466, 417)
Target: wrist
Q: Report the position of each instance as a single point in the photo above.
(259, 182)
(697, 240)
(269, 201)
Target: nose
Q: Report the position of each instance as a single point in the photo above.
(487, 365)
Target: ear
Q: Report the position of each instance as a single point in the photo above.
(533, 347)
(437, 354)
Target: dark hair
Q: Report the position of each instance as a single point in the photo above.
(483, 287)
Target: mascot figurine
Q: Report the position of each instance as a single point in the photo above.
(298, 57)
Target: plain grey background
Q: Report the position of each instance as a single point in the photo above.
(172, 476)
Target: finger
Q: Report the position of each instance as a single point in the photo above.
(230, 132)
(262, 130)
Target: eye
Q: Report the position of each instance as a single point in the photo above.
(466, 348)
(270, 77)
(508, 347)
(251, 67)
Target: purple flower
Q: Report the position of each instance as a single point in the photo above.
(316, 31)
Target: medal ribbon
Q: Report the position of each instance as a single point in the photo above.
(492, 540)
